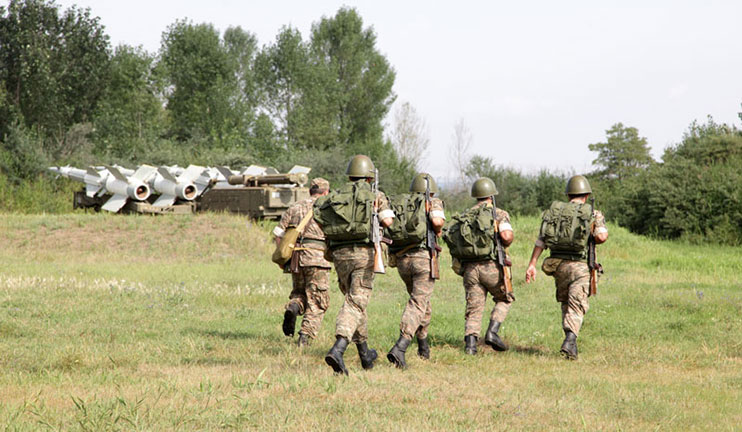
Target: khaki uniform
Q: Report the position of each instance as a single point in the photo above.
(482, 277)
(572, 280)
(311, 285)
(413, 266)
(355, 268)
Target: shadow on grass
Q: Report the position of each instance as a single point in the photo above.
(457, 342)
(223, 334)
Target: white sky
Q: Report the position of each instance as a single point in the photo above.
(535, 81)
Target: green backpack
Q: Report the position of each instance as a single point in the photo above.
(470, 235)
(410, 221)
(345, 214)
(565, 228)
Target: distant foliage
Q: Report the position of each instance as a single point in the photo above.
(695, 193)
(518, 193)
(206, 97)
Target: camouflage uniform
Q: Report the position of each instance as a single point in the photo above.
(355, 268)
(482, 277)
(572, 280)
(413, 266)
(310, 286)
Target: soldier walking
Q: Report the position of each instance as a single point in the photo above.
(311, 280)
(345, 216)
(474, 253)
(416, 261)
(565, 230)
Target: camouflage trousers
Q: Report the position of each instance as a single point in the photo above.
(572, 280)
(415, 273)
(311, 293)
(355, 269)
(480, 278)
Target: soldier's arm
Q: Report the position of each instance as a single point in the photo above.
(386, 214)
(437, 216)
(506, 230)
(600, 232)
(538, 248)
(280, 229)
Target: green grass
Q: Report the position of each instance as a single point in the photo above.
(173, 323)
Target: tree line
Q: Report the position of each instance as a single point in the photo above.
(213, 97)
(206, 97)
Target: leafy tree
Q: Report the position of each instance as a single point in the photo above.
(362, 79)
(282, 72)
(55, 66)
(130, 112)
(623, 154)
(695, 193)
(206, 99)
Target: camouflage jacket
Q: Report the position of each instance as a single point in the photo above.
(311, 238)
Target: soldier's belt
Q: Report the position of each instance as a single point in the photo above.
(409, 248)
(315, 242)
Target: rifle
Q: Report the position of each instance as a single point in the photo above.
(592, 258)
(431, 242)
(376, 228)
(502, 259)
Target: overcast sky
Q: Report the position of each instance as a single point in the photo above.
(535, 81)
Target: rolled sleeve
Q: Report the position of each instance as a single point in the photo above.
(540, 243)
(386, 214)
(438, 214)
(278, 232)
(505, 226)
(600, 230)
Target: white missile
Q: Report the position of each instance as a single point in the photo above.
(124, 188)
(169, 187)
(92, 177)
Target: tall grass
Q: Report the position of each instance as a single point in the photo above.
(111, 322)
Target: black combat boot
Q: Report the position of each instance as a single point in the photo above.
(423, 349)
(289, 319)
(396, 354)
(492, 339)
(303, 341)
(569, 346)
(471, 344)
(334, 357)
(366, 355)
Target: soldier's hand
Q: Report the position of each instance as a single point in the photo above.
(531, 273)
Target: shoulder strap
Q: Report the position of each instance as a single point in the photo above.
(304, 221)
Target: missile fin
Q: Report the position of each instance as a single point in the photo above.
(164, 201)
(191, 173)
(144, 172)
(115, 203)
(116, 173)
(225, 171)
(166, 174)
(93, 172)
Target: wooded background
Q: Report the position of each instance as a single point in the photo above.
(216, 97)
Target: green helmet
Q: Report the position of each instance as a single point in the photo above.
(418, 183)
(578, 185)
(361, 166)
(483, 188)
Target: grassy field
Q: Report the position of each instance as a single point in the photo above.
(173, 323)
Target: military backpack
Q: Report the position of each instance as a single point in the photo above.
(410, 222)
(565, 228)
(470, 235)
(345, 214)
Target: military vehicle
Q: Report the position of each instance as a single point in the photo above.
(260, 196)
(256, 191)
